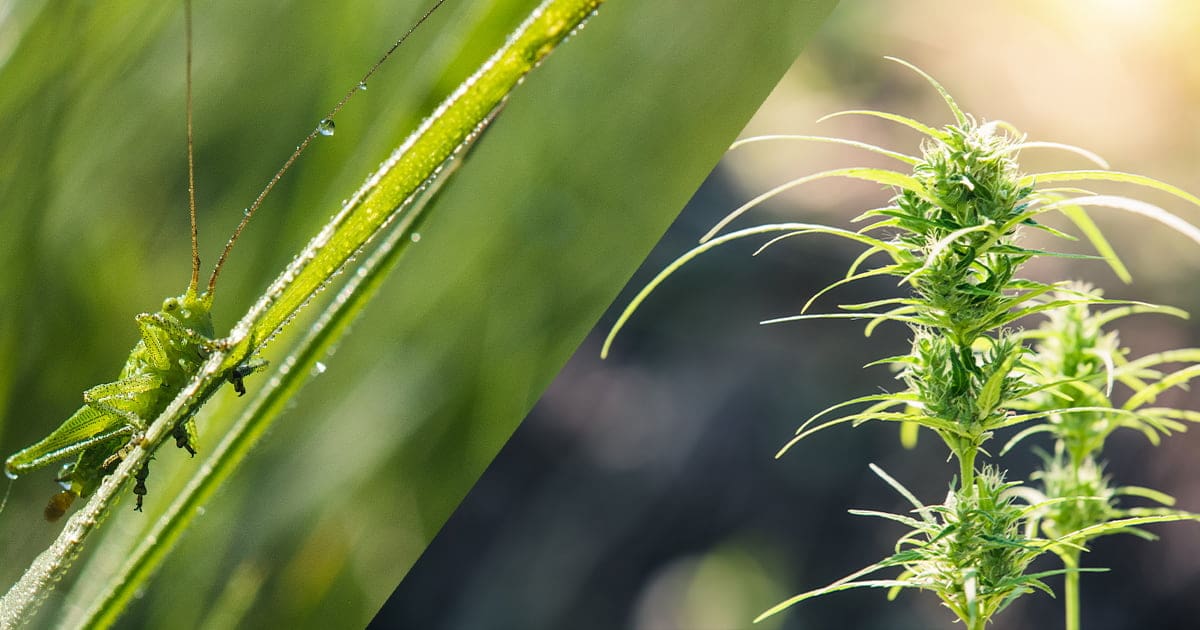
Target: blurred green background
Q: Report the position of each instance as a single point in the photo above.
(642, 493)
(588, 164)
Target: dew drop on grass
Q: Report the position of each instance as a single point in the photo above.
(416, 237)
(325, 127)
(318, 368)
(362, 86)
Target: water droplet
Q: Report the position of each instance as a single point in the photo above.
(318, 368)
(362, 86)
(325, 127)
(416, 237)
(63, 477)
(10, 474)
(246, 212)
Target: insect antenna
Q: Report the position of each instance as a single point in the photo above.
(325, 127)
(7, 491)
(194, 285)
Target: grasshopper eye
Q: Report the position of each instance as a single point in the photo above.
(170, 304)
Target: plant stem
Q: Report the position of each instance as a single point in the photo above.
(1070, 560)
(966, 465)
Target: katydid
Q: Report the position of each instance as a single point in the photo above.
(174, 343)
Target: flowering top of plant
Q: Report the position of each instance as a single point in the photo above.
(952, 233)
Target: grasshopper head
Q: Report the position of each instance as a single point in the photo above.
(191, 310)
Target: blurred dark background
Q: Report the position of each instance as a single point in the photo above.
(642, 491)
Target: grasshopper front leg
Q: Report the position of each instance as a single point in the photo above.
(236, 374)
(241, 371)
(154, 327)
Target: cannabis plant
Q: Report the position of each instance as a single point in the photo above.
(954, 234)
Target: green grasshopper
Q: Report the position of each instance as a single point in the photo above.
(175, 342)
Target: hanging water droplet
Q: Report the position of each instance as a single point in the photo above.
(325, 127)
(362, 86)
(10, 474)
(416, 237)
(318, 368)
(63, 477)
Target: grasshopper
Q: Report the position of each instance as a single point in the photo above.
(174, 343)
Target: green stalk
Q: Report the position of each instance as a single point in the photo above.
(1070, 560)
(966, 465)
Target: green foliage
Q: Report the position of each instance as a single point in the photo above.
(972, 551)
